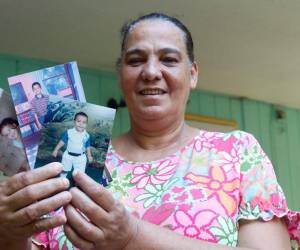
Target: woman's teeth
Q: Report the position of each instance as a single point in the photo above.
(152, 92)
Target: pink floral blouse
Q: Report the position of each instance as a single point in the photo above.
(201, 192)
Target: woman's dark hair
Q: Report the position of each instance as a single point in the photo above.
(125, 30)
(80, 114)
(9, 121)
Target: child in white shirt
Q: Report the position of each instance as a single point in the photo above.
(78, 145)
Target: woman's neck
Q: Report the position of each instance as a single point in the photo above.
(157, 139)
(152, 142)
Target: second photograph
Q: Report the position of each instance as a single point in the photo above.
(78, 137)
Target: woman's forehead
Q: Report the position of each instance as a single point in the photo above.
(152, 31)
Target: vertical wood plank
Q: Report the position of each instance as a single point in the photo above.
(91, 86)
(193, 103)
(236, 112)
(109, 88)
(251, 122)
(207, 104)
(293, 170)
(117, 124)
(265, 116)
(222, 105)
(280, 153)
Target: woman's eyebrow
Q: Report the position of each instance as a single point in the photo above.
(134, 51)
(170, 50)
(163, 51)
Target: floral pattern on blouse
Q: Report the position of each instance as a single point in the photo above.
(201, 191)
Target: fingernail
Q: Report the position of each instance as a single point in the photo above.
(66, 182)
(68, 196)
(58, 167)
(75, 172)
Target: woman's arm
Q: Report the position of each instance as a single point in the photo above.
(264, 235)
(252, 235)
(110, 226)
(153, 237)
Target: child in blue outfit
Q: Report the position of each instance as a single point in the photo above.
(78, 145)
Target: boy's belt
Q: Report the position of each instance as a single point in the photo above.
(75, 154)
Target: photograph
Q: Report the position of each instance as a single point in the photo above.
(78, 136)
(31, 92)
(12, 154)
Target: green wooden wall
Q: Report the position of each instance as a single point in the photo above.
(280, 138)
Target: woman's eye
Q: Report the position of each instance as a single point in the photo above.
(169, 60)
(134, 61)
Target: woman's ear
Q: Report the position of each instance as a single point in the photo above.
(194, 75)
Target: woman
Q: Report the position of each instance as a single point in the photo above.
(199, 188)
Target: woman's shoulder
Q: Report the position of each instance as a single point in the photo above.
(239, 136)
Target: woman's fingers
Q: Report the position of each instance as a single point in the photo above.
(25, 197)
(81, 226)
(76, 240)
(88, 207)
(40, 208)
(13, 233)
(42, 225)
(99, 218)
(95, 191)
(24, 179)
(37, 191)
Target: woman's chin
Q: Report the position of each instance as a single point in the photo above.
(153, 113)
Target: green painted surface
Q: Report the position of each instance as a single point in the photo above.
(207, 104)
(265, 115)
(236, 112)
(7, 69)
(280, 139)
(280, 152)
(251, 117)
(293, 169)
(193, 103)
(222, 105)
(91, 86)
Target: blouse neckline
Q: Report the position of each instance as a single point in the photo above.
(177, 153)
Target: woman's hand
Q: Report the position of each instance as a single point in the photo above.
(24, 198)
(95, 220)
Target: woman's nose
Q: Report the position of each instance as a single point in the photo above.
(151, 70)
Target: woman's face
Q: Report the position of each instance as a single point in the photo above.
(156, 74)
(9, 132)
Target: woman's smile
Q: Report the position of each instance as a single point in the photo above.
(153, 91)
